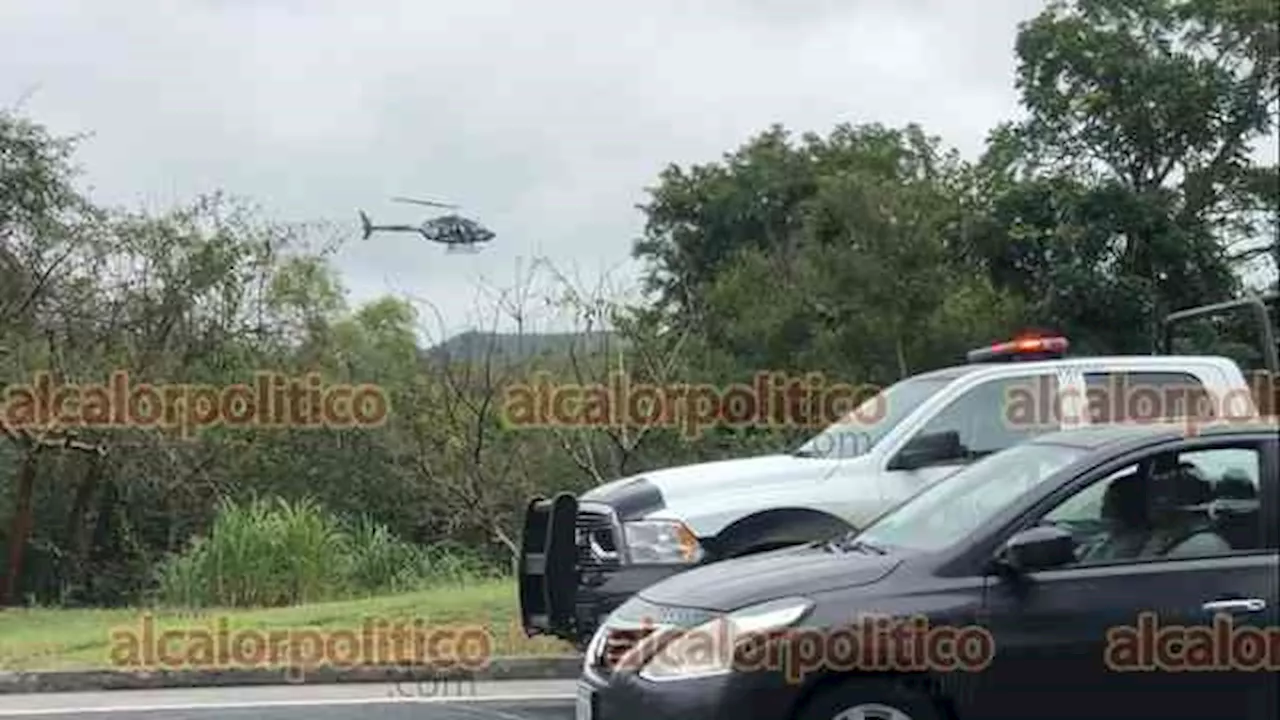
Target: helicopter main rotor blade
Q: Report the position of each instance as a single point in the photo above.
(429, 203)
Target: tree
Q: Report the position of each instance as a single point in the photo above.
(1155, 93)
(832, 255)
(44, 223)
(208, 293)
(1129, 190)
(698, 219)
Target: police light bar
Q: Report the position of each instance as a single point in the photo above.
(1037, 348)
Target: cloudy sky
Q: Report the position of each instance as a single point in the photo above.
(545, 119)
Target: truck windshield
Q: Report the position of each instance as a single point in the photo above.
(956, 506)
(872, 420)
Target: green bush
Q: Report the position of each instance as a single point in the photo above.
(273, 553)
(378, 560)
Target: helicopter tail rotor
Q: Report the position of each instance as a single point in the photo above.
(365, 225)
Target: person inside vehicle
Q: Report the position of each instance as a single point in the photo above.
(1236, 508)
(1180, 512)
(1127, 527)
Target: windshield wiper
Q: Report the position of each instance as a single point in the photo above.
(802, 453)
(849, 542)
(864, 546)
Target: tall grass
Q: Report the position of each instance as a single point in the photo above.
(273, 552)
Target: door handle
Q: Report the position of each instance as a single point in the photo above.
(1251, 605)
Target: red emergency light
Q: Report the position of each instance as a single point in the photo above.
(1022, 348)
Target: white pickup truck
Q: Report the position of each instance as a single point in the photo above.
(583, 556)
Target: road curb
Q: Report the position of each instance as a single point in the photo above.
(556, 667)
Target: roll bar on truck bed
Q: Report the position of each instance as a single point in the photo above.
(1268, 390)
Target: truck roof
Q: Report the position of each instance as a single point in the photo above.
(1088, 362)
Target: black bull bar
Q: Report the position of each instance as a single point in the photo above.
(548, 572)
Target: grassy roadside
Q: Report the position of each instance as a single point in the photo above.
(54, 639)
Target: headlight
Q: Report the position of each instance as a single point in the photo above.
(709, 649)
(664, 542)
(593, 647)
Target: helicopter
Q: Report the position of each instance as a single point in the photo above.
(455, 232)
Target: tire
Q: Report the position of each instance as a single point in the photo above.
(870, 700)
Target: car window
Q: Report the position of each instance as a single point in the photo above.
(863, 428)
(1174, 505)
(1085, 507)
(1145, 396)
(947, 511)
(999, 414)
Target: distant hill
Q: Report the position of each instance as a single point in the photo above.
(476, 345)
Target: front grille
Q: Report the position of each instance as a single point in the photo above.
(597, 540)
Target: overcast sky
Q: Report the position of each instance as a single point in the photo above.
(544, 119)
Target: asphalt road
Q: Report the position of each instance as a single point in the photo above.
(535, 700)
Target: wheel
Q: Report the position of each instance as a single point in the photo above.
(774, 531)
(870, 700)
(746, 545)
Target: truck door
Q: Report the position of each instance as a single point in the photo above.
(988, 417)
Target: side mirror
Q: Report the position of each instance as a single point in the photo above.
(1039, 548)
(928, 449)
